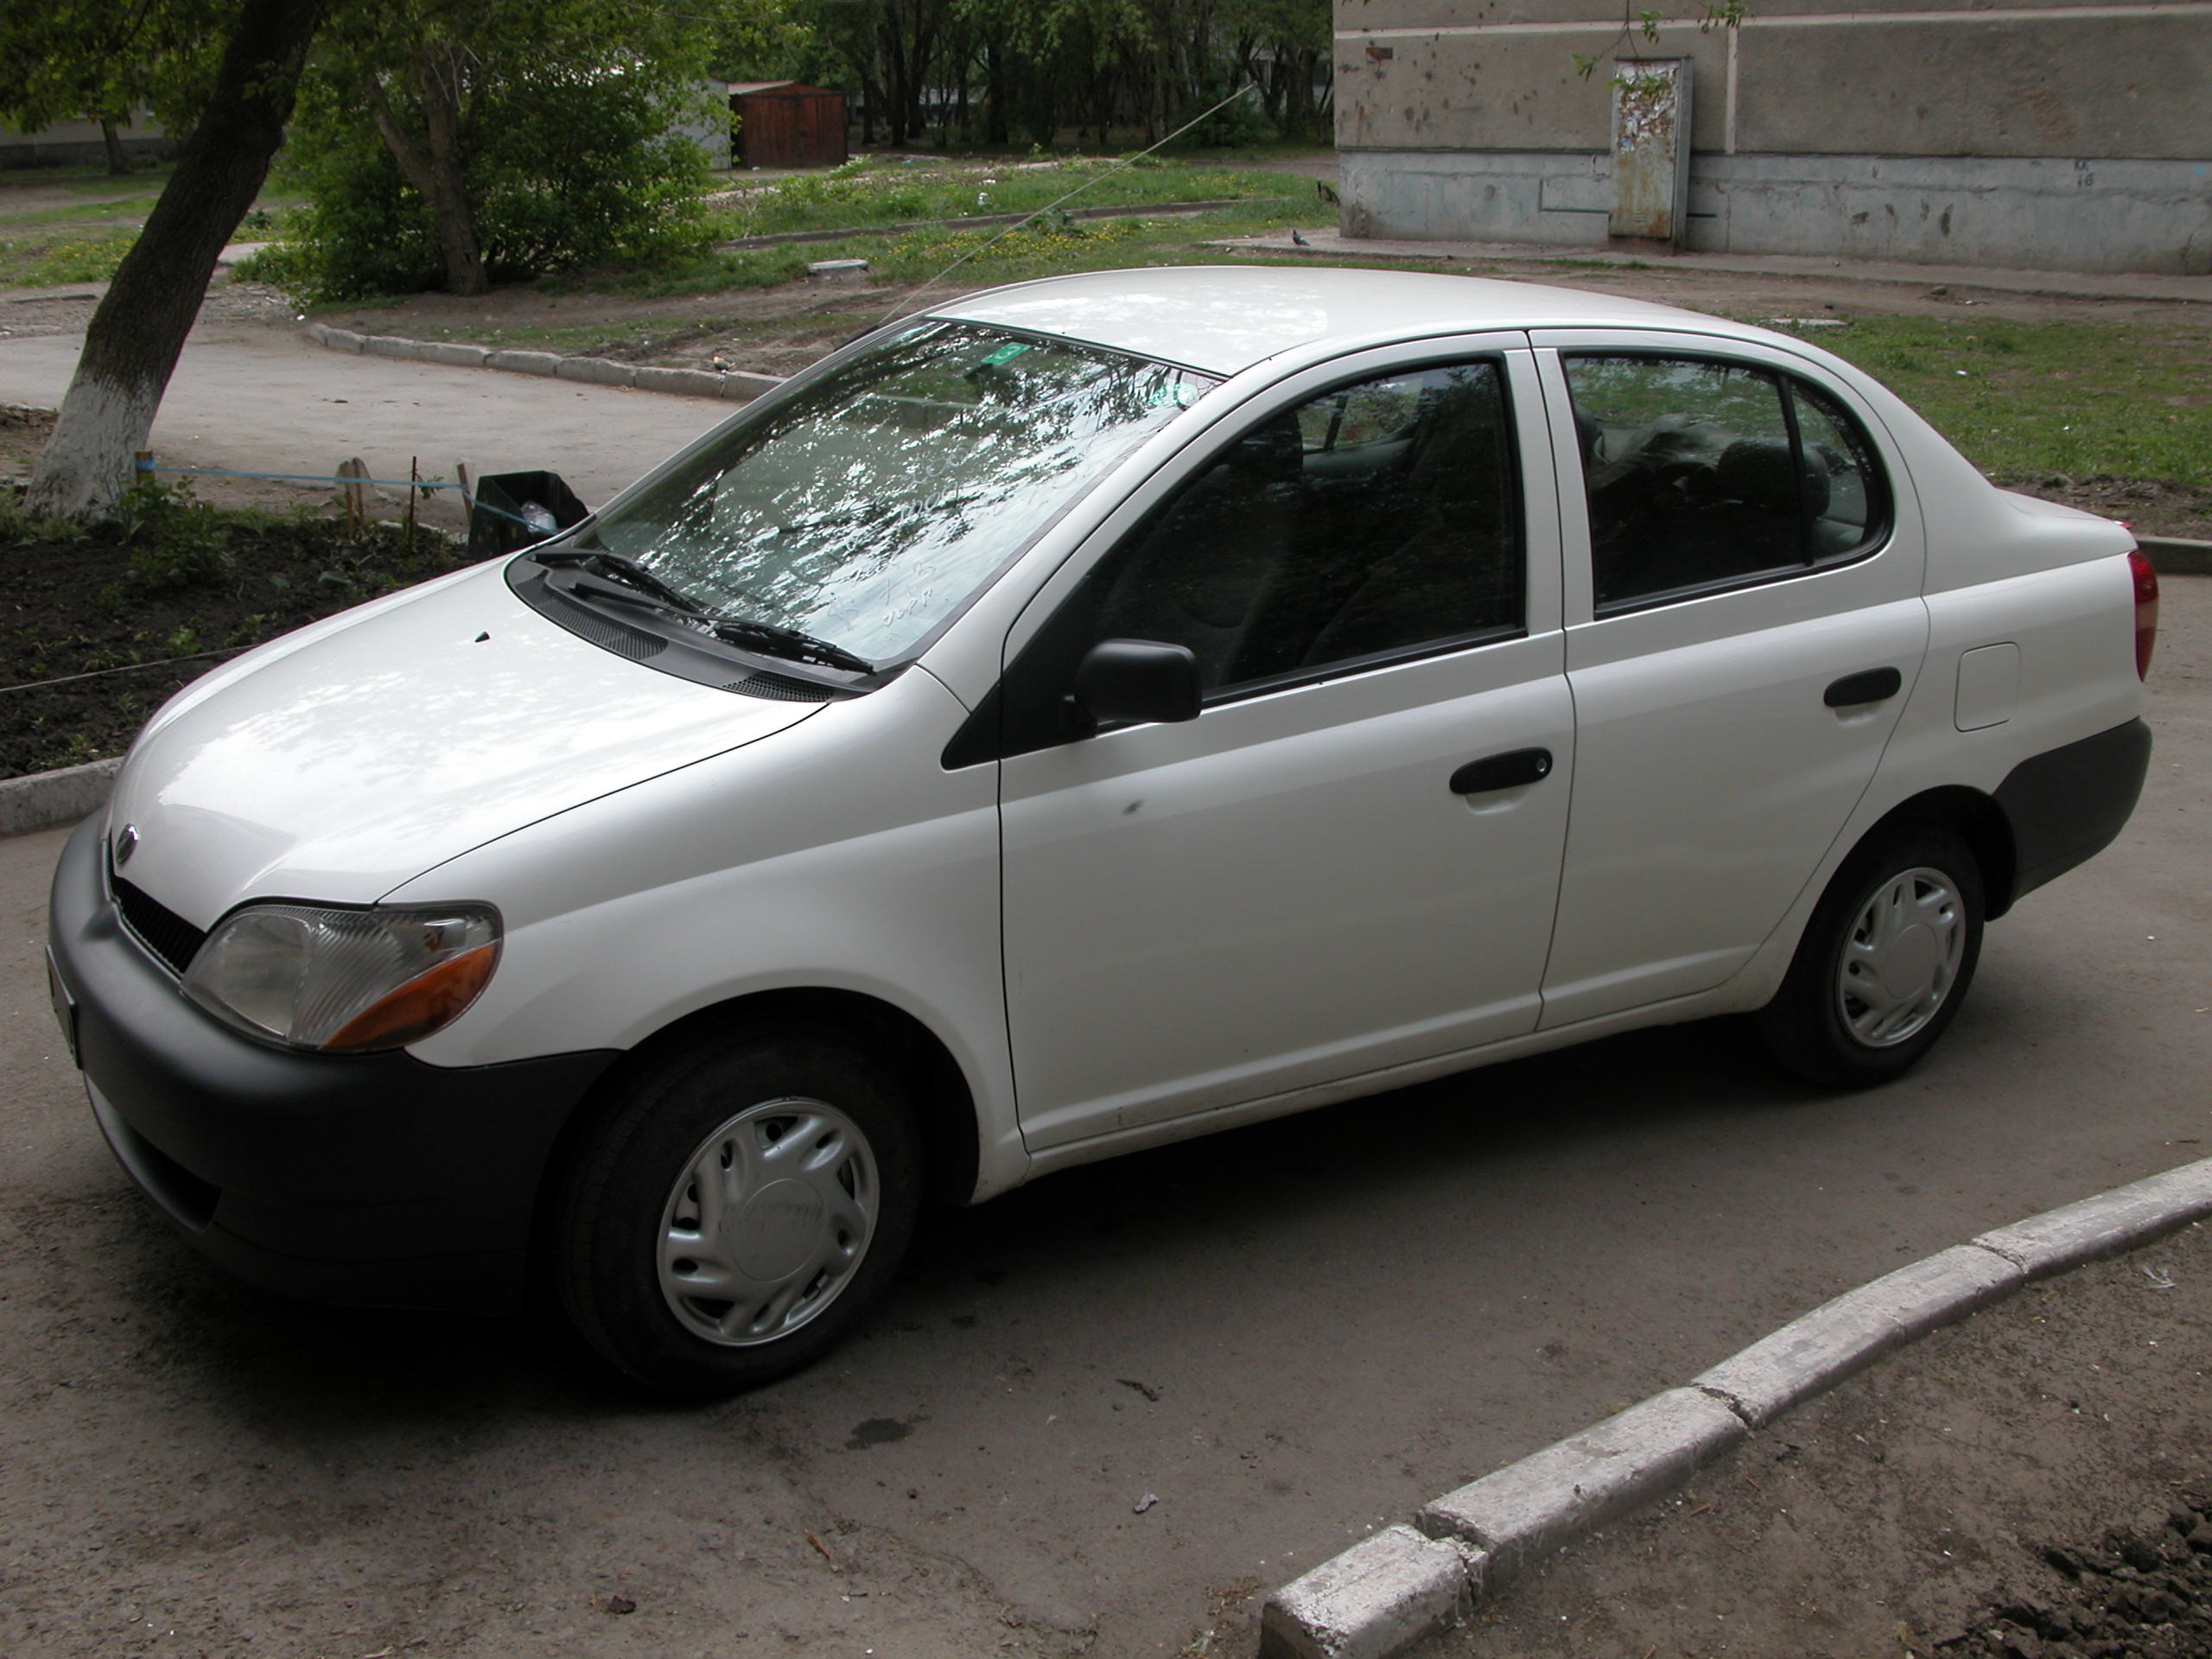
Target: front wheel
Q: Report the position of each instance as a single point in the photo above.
(736, 1208)
(1885, 962)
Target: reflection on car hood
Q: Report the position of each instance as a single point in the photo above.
(393, 738)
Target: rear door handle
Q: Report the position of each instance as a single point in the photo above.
(1870, 685)
(1507, 771)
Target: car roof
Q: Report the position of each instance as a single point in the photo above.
(1225, 318)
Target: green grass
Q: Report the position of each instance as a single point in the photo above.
(90, 182)
(2133, 399)
(996, 255)
(51, 260)
(67, 224)
(877, 192)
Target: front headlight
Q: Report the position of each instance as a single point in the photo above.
(345, 981)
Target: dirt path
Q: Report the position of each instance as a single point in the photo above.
(1908, 1511)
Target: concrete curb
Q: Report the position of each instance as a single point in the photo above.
(44, 799)
(1386, 1592)
(736, 386)
(2176, 555)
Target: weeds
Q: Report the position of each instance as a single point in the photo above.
(176, 540)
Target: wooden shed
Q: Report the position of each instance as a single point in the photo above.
(787, 123)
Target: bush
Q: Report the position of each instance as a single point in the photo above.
(1234, 126)
(568, 167)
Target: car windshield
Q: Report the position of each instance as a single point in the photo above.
(864, 509)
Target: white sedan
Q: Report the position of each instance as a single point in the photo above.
(1096, 712)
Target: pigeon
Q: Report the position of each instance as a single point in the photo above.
(1299, 237)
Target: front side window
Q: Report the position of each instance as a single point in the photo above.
(866, 509)
(1378, 520)
(1702, 475)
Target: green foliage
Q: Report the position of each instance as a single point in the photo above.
(64, 59)
(176, 540)
(1023, 71)
(1237, 125)
(568, 167)
(19, 528)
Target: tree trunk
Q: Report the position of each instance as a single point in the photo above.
(434, 167)
(995, 131)
(119, 158)
(138, 328)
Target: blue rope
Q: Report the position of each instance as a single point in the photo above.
(303, 477)
(476, 504)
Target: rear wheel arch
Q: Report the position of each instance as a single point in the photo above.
(1976, 819)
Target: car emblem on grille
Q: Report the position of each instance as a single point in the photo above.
(125, 844)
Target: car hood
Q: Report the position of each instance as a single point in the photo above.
(340, 761)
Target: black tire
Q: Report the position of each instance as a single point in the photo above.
(725, 1097)
(1819, 1024)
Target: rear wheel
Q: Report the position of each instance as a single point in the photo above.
(1885, 962)
(736, 1208)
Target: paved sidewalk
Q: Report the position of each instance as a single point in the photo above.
(267, 399)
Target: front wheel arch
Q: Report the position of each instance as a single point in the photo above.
(951, 1137)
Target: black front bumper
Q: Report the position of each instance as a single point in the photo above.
(364, 1179)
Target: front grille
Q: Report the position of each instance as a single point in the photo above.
(157, 927)
(780, 687)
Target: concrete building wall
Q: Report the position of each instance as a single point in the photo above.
(2036, 133)
(78, 143)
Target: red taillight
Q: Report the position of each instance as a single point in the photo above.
(2146, 609)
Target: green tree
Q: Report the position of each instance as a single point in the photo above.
(61, 60)
(227, 70)
(455, 143)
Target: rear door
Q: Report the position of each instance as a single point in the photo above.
(1743, 623)
(1288, 890)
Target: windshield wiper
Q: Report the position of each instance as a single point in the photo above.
(655, 595)
(615, 567)
(780, 641)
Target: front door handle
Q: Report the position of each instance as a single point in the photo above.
(1872, 685)
(1507, 771)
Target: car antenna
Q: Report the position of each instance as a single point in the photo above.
(895, 315)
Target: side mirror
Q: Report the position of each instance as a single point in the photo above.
(1135, 682)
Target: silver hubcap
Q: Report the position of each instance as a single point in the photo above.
(1902, 958)
(768, 1222)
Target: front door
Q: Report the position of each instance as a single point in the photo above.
(1304, 883)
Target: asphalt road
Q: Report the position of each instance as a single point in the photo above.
(1284, 1335)
(246, 395)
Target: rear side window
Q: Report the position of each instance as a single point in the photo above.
(1705, 475)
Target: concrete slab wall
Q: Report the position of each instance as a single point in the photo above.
(2042, 133)
(2031, 213)
(2110, 81)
